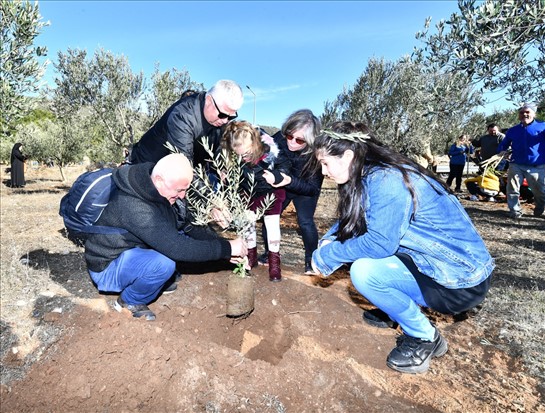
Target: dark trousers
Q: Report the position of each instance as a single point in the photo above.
(456, 171)
(305, 206)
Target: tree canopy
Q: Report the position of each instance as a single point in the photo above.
(499, 44)
(21, 70)
(407, 105)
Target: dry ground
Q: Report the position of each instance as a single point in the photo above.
(303, 349)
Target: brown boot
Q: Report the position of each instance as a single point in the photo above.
(275, 273)
(252, 257)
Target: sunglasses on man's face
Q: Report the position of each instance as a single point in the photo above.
(298, 140)
(222, 115)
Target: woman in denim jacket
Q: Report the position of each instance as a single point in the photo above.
(409, 241)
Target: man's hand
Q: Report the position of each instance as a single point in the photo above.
(239, 249)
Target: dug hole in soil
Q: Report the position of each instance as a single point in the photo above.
(304, 348)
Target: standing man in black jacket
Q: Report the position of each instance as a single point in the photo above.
(188, 120)
(141, 261)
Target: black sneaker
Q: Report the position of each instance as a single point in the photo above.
(308, 269)
(413, 355)
(172, 284)
(137, 310)
(170, 288)
(378, 318)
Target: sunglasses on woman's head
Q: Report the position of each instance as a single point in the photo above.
(222, 115)
(298, 140)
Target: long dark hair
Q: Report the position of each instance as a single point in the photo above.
(368, 153)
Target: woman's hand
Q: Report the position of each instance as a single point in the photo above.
(286, 180)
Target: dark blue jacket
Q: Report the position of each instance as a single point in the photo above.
(527, 142)
(457, 153)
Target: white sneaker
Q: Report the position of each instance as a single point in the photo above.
(473, 198)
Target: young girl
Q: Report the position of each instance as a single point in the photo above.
(409, 241)
(266, 162)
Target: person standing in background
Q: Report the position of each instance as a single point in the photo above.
(457, 154)
(487, 145)
(527, 140)
(17, 166)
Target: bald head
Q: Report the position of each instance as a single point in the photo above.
(172, 176)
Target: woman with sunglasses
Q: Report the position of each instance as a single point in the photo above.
(408, 241)
(264, 160)
(295, 140)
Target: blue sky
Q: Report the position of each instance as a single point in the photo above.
(293, 55)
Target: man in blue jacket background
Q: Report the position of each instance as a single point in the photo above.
(527, 141)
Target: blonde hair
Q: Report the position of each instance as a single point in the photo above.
(236, 132)
(462, 138)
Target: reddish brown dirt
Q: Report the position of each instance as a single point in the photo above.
(303, 349)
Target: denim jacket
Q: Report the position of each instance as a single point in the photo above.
(439, 235)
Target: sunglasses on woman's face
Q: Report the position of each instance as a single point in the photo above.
(222, 115)
(298, 140)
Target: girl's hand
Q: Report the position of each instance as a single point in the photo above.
(269, 177)
(222, 218)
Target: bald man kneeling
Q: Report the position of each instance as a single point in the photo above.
(140, 262)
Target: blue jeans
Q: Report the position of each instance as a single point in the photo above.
(395, 285)
(138, 273)
(388, 284)
(535, 176)
(305, 207)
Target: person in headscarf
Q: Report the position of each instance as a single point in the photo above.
(17, 166)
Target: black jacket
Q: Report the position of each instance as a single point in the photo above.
(274, 161)
(183, 124)
(151, 222)
(300, 185)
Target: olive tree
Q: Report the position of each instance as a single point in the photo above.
(21, 23)
(166, 88)
(106, 87)
(407, 105)
(499, 44)
(61, 141)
